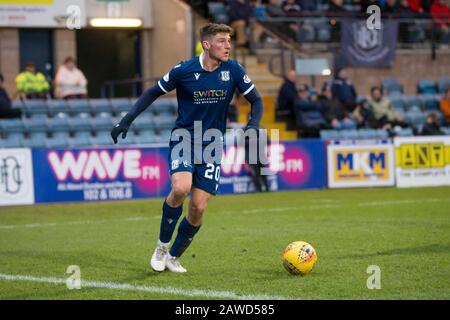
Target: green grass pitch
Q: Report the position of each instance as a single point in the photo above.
(406, 232)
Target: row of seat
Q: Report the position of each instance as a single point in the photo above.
(424, 86)
(369, 133)
(116, 107)
(82, 139)
(82, 123)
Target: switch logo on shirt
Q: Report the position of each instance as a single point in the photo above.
(209, 96)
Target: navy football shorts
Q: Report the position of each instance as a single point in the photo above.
(205, 176)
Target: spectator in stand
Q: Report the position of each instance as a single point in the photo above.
(333, 111)
(291, 8)
(304, 93)
(364, 116)
(383, 110)
(440, 12)
(431, 127)
(31, 83)
(426, 5)
(273, 9)
(308, 5)
(336, 8)
(309, 117)
(344, 91)
(367, 3)
(403, 10)
(391, 8)
(445, 105)
(240, 14)
(288, 94)
(6, 110)
(70, 82)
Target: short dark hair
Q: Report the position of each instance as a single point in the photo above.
(69, 59)
(375, 88)
(211, 29)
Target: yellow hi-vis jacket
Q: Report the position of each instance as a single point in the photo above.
(28, 82)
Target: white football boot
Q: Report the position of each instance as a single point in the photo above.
(173, 264)
(159, 258)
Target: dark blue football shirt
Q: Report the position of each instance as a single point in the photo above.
(203, 95)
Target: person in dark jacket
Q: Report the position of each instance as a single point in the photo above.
(333, 111)
(431, 127)
(344, 90)
(6, 110)
(288, 93)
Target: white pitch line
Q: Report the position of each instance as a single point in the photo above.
(248, 211)
(131, 287)
(53, 224)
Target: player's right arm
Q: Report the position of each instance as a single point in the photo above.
(165, 85)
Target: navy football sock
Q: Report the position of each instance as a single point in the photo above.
(186, 233)
(169, 220)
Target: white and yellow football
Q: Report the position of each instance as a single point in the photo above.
(299, 258)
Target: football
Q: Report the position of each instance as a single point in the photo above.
(299, 258)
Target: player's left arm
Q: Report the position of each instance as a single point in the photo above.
(257, 109)
(247, 88)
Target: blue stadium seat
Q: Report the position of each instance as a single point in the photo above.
(164, 121)
(79, 106)
(368, 133)
(35, 107)
(18, 104)
(129, 140)
(412, 101)
(382, 134)
(102, 123)
(143, 122)
(415, 118)
(163, 136)
(391, 85)
(100, 106)
(426, 86)
(322, 29)
(56, 142)
(146, 136)
(14, 140)
(446, 130)
(58, 124)
(12, 125)
(102, 138)
(35, 125)
(80, 123)
(218, 12)
(405, 132)
(431, 105)
(329, 134)
(443, 84)
(164, 106)
(120, 105)
(350, 134)
(58, 106)
(36, 140)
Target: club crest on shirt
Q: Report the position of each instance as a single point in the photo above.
(247, 79)
(225, 75)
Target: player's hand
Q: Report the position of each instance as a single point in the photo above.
(252, 126)
(121, 128)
